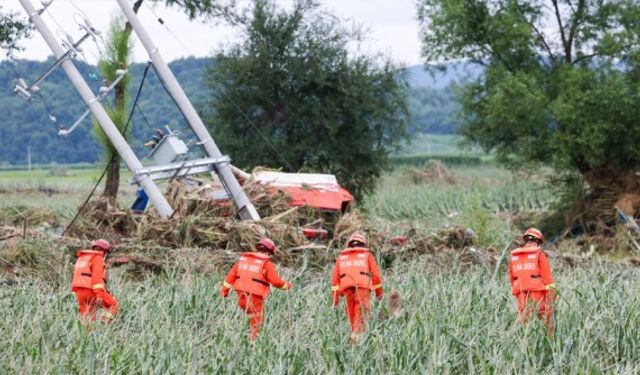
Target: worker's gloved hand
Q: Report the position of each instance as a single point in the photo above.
(287, 285)
(379, 293)
(224, 292)
(100, 303)
(101, 295)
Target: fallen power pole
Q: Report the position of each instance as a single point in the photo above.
(144, 176)
(124, 150)
(243, 205)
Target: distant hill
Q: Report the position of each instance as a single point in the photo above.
(26, 124)
(432, 78)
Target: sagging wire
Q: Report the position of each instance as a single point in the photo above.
(114, 157)
(161, 22)
(82, 20)
(242, 112)
(106, 88)
(25, 91)
(260, 133)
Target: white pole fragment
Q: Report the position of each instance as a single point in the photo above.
(244, 207)
(155, 195)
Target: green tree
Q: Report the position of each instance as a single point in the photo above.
(12, 29)
(289, 95)
(117, 56)
(561, 86)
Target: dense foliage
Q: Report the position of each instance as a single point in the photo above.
(562, 81)
(290, 95)
(433, 111)
(12, 29)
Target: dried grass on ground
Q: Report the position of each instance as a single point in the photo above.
(201, 236)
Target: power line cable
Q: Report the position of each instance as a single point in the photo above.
(78, 8)
(260, 133)
(161, 22)
(243, 114)
(11, 61)
(113, 158)
(144, 117)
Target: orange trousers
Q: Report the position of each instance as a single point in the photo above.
(252, 305)
(539, 301)
(88, 303)
(358, 307)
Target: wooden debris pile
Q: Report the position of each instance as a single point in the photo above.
(202, 221)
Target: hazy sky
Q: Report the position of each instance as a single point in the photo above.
(392, 24)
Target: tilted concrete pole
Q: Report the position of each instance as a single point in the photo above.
(130, 159)
(245, 208)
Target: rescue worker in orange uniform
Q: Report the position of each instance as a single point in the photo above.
(90, 283)
(355, 275)
(531, 280)
(251, 278)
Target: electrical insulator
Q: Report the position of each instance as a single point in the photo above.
(121, 72)
(26, 95)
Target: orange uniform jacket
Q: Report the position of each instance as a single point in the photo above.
(529, 270)
(89, 271)
(355, 267)
(253, 273)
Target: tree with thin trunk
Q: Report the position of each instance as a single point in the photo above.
(117, 56)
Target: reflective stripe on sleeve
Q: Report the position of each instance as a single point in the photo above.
(97, 286)
(335, 288)
(227, 285)
(550, 287)
(377, 286)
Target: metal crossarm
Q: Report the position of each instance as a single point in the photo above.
(244, 208)
(143, 176)
(88, 97)
(180, 169)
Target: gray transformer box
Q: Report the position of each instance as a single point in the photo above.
(170, 149)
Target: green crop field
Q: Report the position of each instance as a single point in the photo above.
(454, 320)
(458, 317)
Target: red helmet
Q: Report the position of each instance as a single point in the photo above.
(101, 244)
(266, 244)
(357, 238)
(533, 233)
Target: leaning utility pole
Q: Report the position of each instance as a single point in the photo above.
(244, 207)
(130, 159)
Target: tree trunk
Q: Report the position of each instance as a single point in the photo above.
(112, 183)
(607, 190)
